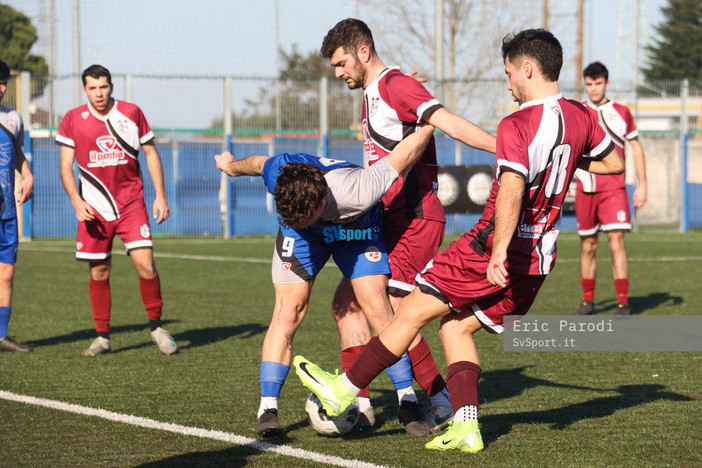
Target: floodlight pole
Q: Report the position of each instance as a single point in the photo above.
(76, 54)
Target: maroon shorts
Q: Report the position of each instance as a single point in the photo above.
(602, 211)
(457, 276)
(94, 240)
(410, 246)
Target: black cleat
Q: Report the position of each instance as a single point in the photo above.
(622, 309)
(586, 308)
(268, 425)
(411, 418)
(8, 344)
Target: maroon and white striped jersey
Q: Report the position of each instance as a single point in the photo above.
(106, 150)
(617, 121)
(543, 142)
(393, 106)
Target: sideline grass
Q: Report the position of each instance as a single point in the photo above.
(537, 409)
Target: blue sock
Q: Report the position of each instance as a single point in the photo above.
(4, 320)
(272, 378)
(400, 373)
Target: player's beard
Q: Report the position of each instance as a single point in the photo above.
(358, 77)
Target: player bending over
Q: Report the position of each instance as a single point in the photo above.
(327, 208)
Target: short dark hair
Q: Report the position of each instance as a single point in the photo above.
(96, 71)
(299, 191)
(351, 34)
(596, 70)
(4, 71)
(537, 44)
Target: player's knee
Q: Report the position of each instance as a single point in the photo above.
(7, 272)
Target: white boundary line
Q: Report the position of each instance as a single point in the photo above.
(217, 258)
(189, 431)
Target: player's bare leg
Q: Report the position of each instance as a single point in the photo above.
(371, 294)
(291, 302)
(588, 274)
(428, 376)
(150, 288)
(354, 334)
(620, 270)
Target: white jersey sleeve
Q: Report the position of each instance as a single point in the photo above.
(354, 190)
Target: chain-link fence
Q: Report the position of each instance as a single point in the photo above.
(267, 116)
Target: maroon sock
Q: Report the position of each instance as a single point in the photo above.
(371, 362)
(348, 356)
(101, 303)
(151, 297)
(462, 381)
(622, 288)
(588, 286)
(426, 373)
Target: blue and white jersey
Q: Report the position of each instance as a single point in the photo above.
(353, 190)
(11, 141)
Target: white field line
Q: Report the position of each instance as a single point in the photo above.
(189, 431)
(217, 258)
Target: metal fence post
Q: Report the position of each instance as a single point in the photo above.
(226, 183)
(26, 87)
(683, 225)
(324, 116)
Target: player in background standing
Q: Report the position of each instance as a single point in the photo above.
(394, 104)
(601, 201)
(327, 208)
(104, 137)
(11, 158)
(495, 271)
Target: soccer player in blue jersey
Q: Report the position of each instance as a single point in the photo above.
(11, 157)
(327, 208)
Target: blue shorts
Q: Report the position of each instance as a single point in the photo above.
(8, 241)
(358, 249)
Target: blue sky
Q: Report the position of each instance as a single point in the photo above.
(238, 38)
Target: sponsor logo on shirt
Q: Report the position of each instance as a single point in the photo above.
(337, 233)
(530, 228)
(368, 146)
(375, 102)
(109, 153)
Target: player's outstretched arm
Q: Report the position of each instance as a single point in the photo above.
(160, 210)
(462, 130)
(84, 212)
(610, 164)
(409, 150)
(249, 166)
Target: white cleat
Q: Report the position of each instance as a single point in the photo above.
(163, 340)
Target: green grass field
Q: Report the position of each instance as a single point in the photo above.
(537, 408)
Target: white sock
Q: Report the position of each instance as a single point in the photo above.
(351, 387)
(441, 399)
(406, 394)
(266, 403)
(466, 413)
(363, 403)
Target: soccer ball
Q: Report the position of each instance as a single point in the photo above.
(323, 424)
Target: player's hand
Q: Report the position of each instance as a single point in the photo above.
(414, 72)
(640, 196)
(84, 212)
(160, 210)
(496, 271)
(25, 190)
(222, 161)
